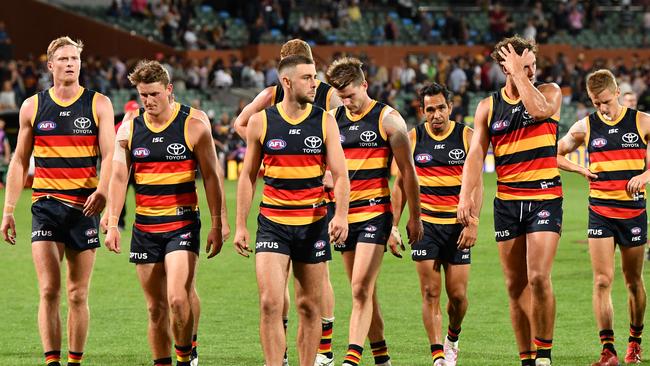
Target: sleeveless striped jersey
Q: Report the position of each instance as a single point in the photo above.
(439, 164)
(369, 156)
(294, 158)
(66, 147)
(164, 170)
(322, 98)
(617, 152)
(525, 151)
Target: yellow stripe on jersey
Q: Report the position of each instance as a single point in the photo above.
(362, 216)
(294, 220)
(164, 178)
(367, 194)
(35, 108)
(439, 181)
(65, 184)
(621, 195)
(440, 220)
(533, 197)
(525, 144)
(438, 208)
(288, 203)
(365, 164)
(65, 151)
(160, 211)
(530, 175)
(294, 172)
(617, 165)
(264, 126)
(94, 108)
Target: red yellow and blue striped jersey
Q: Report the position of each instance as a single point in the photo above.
(439, 164)
(164, 169)
(525, 151)
(66, 146)
(617, 152)
(294, 159)
(368, 156)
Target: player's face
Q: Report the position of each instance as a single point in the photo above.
(65, 64)
(437, 112)
(606, 102)
(630, 101)
(353, 96)
(302, 83)
(155, 97)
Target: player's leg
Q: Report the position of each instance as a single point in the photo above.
(180, 266)
(47, 257)
(196, 314)
(456, 280)
(271, 270)
(308, 288)
(80, 267)
(325, 355)
(153, 280)
(429, 273)
(632, 263)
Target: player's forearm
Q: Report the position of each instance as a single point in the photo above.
(567, 165)
(244, 198)
(412, 191)
(472, 172)
(342, 195)
(213, 194)
(105, 173)
(397, 200)
(117, 189)
(222, 178)
(477, 197)
(15, 182)
(534, 101)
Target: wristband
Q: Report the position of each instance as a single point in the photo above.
(394, 231)
(112, 221)
(216, 220)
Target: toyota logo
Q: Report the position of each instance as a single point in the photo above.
(630, 137)
(313, 142)
(82, 123)
(176, 149)
(368, 136)
(456, 154)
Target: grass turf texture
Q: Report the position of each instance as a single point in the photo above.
(228, 333)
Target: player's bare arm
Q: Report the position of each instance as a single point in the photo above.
(118, 184)
(17, 170)
(398, 139)
(569, 143)
(468, 236)
(541, 102)
(201, 138)
(263, 100)
(96, 201)
(246, 183)
(473, 169)
(338, 226)
(637, 183)
(398, 202)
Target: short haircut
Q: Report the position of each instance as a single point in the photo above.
(148, 72)
(434, 89)
(62, 42)
(519, 44)
(295, 47)
(345, 71)
(629, 93)
(600, 80)
(293, 61)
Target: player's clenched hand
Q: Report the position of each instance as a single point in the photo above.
(241, 242)
(112, 241)
(8, 228)
(215, 242)
(94, 204)
(338, 229)
(637, 183)
(414, 230)
(468, 235)
(395, 243)
(588, 174)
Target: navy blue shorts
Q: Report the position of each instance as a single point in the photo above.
(516, 218)
(440, 242)
(302, 243)
(152, 247)
(53, 220)
(626, 232)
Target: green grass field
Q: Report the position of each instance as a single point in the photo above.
(228, 332)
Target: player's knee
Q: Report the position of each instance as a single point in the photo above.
(602, 282)
(50, 293)
(179, 303)
(431, 295)
(157, 311)
(515, 286)
(308, 308)
(457, 297)
(270, 305)
(635, 286)
(361, 293)
(540, 282)
(77, 296)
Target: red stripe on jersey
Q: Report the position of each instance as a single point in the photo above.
(181, 199)
(524, 166)
(65, 173)
(609, 185)
(439, 200)
(524, 192)
(617, 212)
(301, 212)
(534, 130)
(71, 140)
(452, 170)
(292, 194)
(293, 160)
(363, 184)
(158, 167)
(163, 228)
(366, 153)
(622, 154)
(383, 207)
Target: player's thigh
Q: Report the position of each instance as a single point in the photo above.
(153, 280)
(47, 257)
(429, 274)
(601, 251)
(271, 270)
(456, 280)
(541, 250)
(180, 266)
(80, 267)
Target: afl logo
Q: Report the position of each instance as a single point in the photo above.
(342, 138)
(276, 144)
(500, 125)
(319, 244)
(82, 123)
(630, 137)
(141, 152)
(368, 136)
(456, 154)
(635, 230)
(423, 158)
(313, 142)
(543, 214)
(186, 235)
(599, 142)
(370, 228)
(91, 232)
(175, 148)
(47, 125)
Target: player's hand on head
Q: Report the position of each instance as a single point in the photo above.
(8, 228)
(112, 241)
(94, 204)
(513, 62)
(215, 242)
(241, 240)
(414, 230)
(395, 243)
(338, 230)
